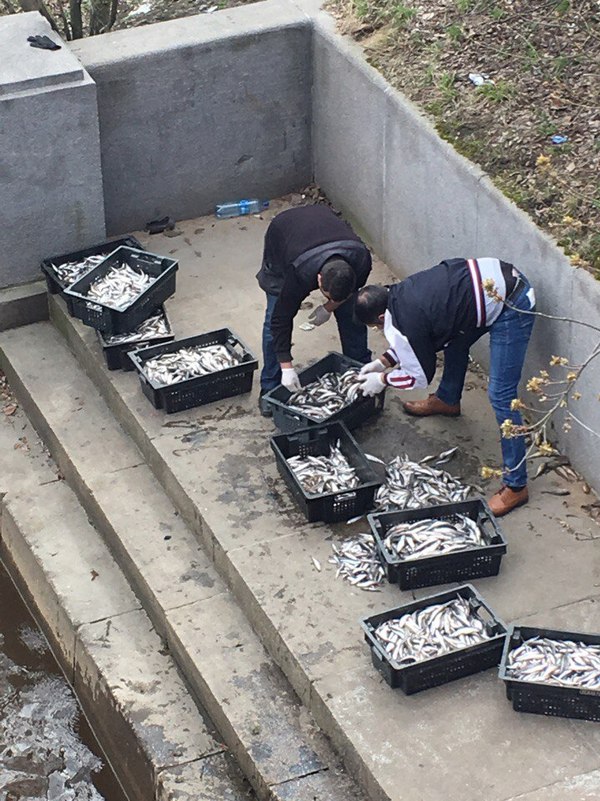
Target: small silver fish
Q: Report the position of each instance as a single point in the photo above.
(559, 662)
(433, 537)
(71, 271)
(413, 485)
(151, 328)
(186, 363)
(358, 563)
(119, 287)
(327, 395)
(320, 475)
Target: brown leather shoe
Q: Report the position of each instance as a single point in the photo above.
(429, 406)
(506, 499)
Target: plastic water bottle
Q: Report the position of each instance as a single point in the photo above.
(238, 208)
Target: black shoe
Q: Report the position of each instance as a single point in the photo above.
(158, 226)
(265, 410)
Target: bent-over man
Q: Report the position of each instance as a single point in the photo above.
(447, 308)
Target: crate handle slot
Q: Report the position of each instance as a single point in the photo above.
(488, 528)
(346, 496)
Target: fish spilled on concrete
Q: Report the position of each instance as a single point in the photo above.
(431, 632)
(358, 563)
(71, 271)
(319, 475)
(562, 662)
(186, 363)
(329, 394)
(423, 538)
(152, 328)
(119, 287)
(413, 485)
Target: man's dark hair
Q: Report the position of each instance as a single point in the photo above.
(337, 279)
(371, 303)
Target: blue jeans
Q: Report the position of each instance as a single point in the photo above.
(353, 337)
(509, 337)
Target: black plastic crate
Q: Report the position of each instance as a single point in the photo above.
(353, 415)
(111, 321)
(549, 699)
(53, 282)
(116, 354)
(464, 565)
(203, 389)
(334, 506)
(447, 667)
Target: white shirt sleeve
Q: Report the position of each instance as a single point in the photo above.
(408, 373)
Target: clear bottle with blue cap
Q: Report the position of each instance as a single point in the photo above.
(239, 208)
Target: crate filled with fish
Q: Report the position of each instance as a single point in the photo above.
(438, 544)
(326, 471)
(154, 330)
(330, 393)
(123, 290)
(194, 371)
(551, 672)
(435, 640)
(62, 271)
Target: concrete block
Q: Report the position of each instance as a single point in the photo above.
(22, 305)
(212, 777)
(349, 113)
(49, 144)
(144, 715)
(201, 110)
(416, 742)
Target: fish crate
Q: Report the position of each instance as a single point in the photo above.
(113, 321)
(116, 354)
(472, 563)
(444, 668)
(548, 699)
(202, 389)
(53, 282)
(353, 415)
(333, 506)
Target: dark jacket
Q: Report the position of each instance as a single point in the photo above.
(298, 242)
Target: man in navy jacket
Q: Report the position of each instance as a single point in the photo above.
(309, 248)
(447, 308)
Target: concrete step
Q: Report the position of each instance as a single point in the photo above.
(216, 466)
(128, 685)
(273, 738)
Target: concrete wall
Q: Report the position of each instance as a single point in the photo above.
(417, 201)
(50, 182)
(200, 110)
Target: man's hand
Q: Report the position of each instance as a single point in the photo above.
(289, 379)
(376, 366)
(372, 384)
(319, 316)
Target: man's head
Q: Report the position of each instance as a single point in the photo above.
(371, 303)
(337, 280)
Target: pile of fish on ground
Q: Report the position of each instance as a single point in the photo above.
(329, 394)
(319, 475)
(119, 287)
(152, 328)
(186, 363)
(430, 537)
(72, 271)
(561, 662)
(431, 632)
(408, 485)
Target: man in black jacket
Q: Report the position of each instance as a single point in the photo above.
(449, 307)
(308, 248)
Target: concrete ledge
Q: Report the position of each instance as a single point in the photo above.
(23, 305)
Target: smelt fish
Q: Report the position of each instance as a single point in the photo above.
(185, 363)
(358, 563)
(71, 271)
(152, 328)
(413, 485)
(562, 662)
(327, 395)
(323, 474)
(432, 631)
(119, 287)
(431, 537)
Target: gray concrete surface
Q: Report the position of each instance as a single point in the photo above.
(52, 200)
(201, 110)
(22, 305)
(268, 731)
(418, 201)
(216, 465)
(128, 685)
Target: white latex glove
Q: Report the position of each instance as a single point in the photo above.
(289, 379)
(376, 366)
(319, 316)
(372, 384)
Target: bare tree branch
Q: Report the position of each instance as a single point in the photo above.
(75, 16)
(38, 5)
